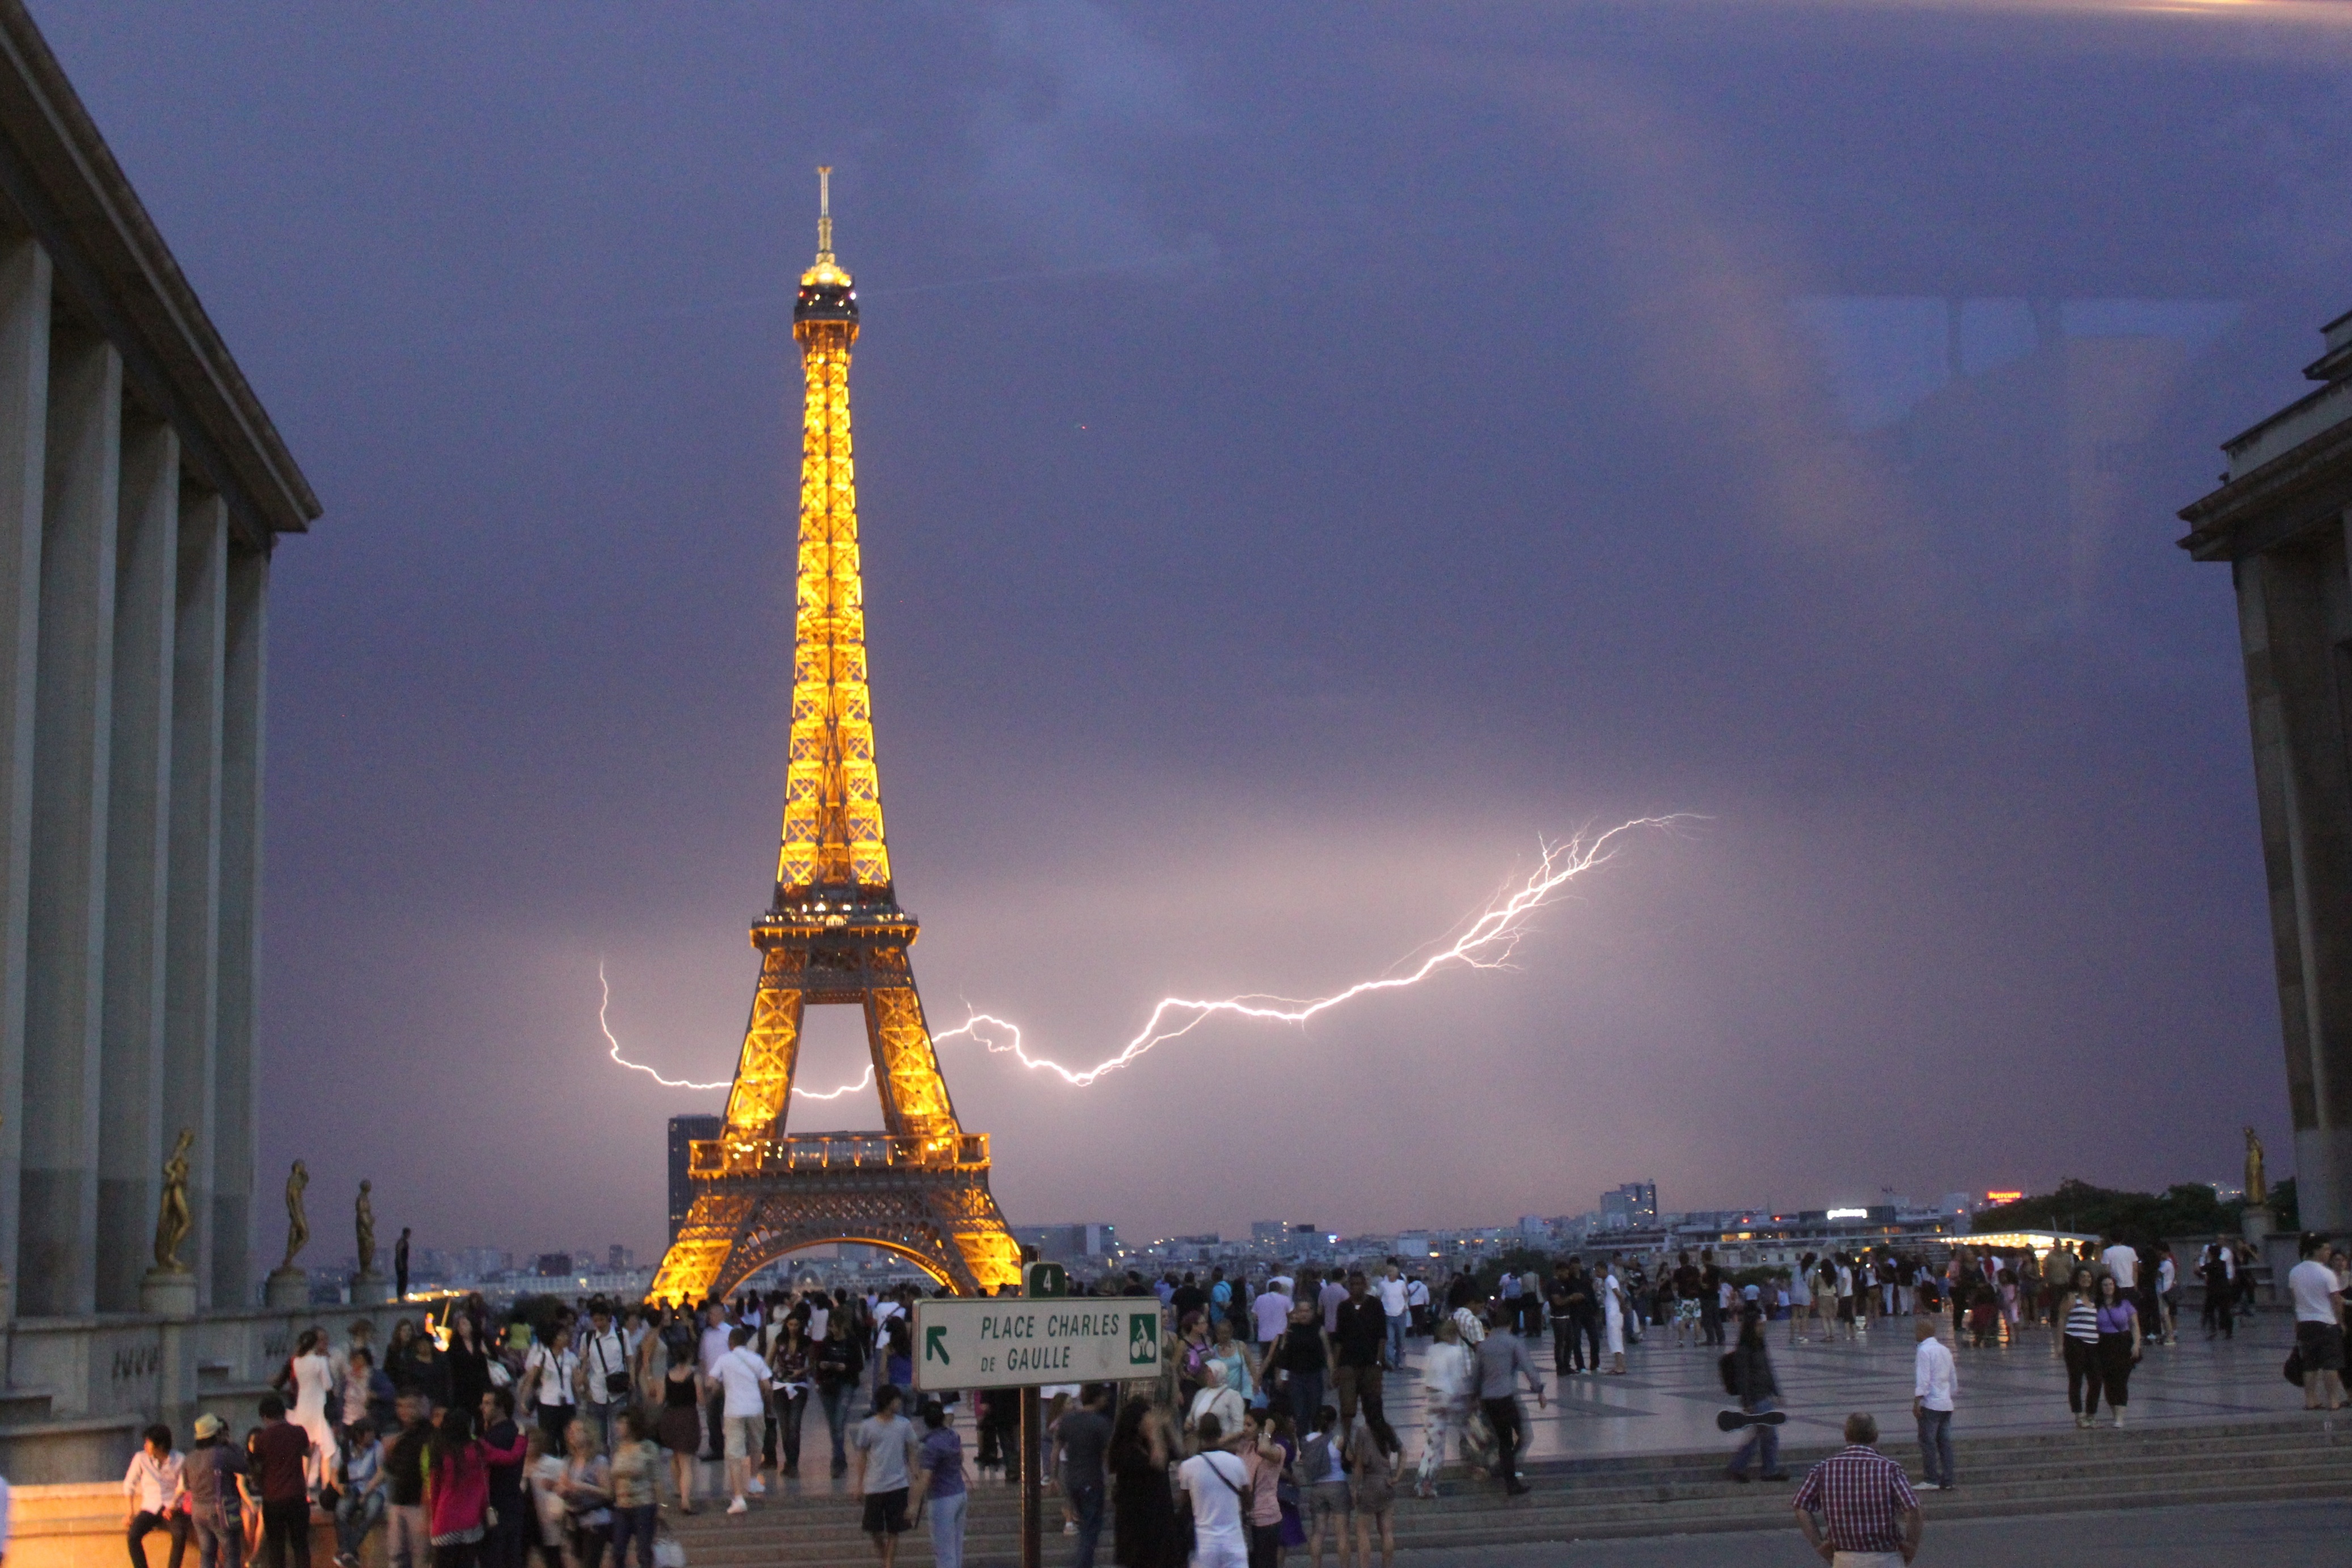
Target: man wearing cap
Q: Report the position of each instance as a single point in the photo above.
(208, 1480)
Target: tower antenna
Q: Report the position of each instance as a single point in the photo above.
(824, 212)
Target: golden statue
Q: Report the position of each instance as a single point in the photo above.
(2258, 1193)
(363, 1221)
(298, 1225)
(173, 1222)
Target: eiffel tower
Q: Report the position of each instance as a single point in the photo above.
(836, 935)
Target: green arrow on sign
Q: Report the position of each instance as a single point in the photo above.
(935, 1343)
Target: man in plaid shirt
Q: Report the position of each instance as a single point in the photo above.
(1861, 1496)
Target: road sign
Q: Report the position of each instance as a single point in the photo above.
(1006, 1342)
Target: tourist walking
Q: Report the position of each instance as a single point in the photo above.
(1615, 1310)
(2219, 1272)
(2119, 1345)
(1270, 1313)
(281, 1455)
(886, 1454)
(2318, 1326)
(313, 1374)
(1301, 1357)
(1502, 1361)
(939, 1485)
(1143, 1513)
(456, 1490)
(791, 1368)
(546, 1378)
(637, 1469)
(604, 1372)
(1359, 1338)
(1084, 1443)
(839, 1358)
(1373, 1461)
(1392, 1292)
(1759, 1393)
(1935, 1381)
(1217, 1481)
(505, 1448)
(743, 1381)
(1856, 1508)
(1449, 1389)
(208, 1484)
(1323, 1481)
(681, 1421)
(2077, 1319)
(585, 1491)
(408, 1542)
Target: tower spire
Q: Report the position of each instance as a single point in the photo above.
(824, 212)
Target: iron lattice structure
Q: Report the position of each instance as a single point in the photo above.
(836, 935)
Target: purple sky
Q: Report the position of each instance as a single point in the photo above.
(1300, 464)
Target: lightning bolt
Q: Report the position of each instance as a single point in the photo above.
(1485, 942)
(604, 1022)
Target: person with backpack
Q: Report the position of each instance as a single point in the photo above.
(1748, 1376)
(604, 1372)
(1374, 1460)
(1323, 1483)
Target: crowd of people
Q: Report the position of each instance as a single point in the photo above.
(557, 1433)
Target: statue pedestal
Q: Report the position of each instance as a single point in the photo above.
(370, 1289)
(168, 1293)
(286, 1288)
(2257, 1222)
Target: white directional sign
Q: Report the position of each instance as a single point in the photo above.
(1011, 1341)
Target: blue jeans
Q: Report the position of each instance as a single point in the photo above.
(1306, 1400)
(1086, 1503)
(1764, 1442)
(836, 1416)
(355, 1514)
(1936, 1447)
(947, 1529)
(638, 1522)
(1396, 1339)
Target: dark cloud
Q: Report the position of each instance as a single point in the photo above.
(1302, 463)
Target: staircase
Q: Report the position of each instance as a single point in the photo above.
(1655, 1495)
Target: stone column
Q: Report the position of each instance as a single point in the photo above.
(192, 941)
(2301, 781)
(131, 1133)
(237, 1088)
(23, 420)
(57, 1245)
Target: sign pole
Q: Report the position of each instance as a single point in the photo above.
(1032, 1440)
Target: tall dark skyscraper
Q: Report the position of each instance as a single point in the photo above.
(683, 1131)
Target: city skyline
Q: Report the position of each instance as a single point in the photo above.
(1289, 496)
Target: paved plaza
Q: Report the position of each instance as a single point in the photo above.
(1667, 1400)
(2235, 1533)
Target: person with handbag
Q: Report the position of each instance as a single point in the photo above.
(604, 1372)
(586, 1491)
(547, 1383)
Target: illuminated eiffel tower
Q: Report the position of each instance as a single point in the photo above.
(836, 935)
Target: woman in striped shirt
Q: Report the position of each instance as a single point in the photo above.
(2078, 1334)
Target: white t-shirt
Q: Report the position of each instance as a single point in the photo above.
(2165, 1275)
(1416, 1293)
(1271, 1310)
(1216, 1505)
(2312, 1285)
(882, 1316)
(713, 1346)
(744, 1375)
(1392, 1296)
(2122, 1263)
(554, 1374)
(604, 1353)
(818, 1318)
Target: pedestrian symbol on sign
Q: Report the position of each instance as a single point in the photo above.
(1142, 1339)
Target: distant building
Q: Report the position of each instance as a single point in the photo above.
(1632, 1207)
(1068, 1243)
(683, 1131)
(551, 1264)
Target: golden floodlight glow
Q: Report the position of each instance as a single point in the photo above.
(835, 934)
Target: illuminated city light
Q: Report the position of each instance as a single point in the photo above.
(1487, 942)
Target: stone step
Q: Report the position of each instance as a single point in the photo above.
(1667, 1494)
